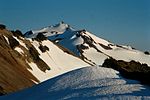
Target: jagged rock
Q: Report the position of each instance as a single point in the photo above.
(2, 26)
(40, 37)
(40, 63)
(13, 42)
(131, 70)
(147, 53)
(17, 33)
(34, 53)
(28, 33)
(43, 48)
(105, 47)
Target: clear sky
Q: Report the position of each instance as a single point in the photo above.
(119, 21)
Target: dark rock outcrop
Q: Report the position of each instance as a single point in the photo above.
(43, 48)
(40, 63)
(105, 47)
(28, 33)
(13, 42)
(147, 53)
(17, 33)
(40, 37)
(132, 70)
(2, 26)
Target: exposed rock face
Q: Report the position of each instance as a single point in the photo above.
(2, 26)
(13, 42)
(105, 47)
(131, 70)
(147, 53)
(28, 33)
(43, 48)
(17, 33)
(40, 63)
(40, 37)
(14, 73)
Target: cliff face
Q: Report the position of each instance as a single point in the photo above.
(14, 73)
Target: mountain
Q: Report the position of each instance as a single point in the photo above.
(90, 83)
(25, 62)
(88, 47)
(42, 56)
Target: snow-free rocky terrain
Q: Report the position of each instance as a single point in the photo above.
(46, 54)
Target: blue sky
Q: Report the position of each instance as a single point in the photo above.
(124, 22)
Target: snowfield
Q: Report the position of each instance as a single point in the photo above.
(92, 83)
(58, 61)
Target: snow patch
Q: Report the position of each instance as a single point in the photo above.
(21, 42)
(19, 50)
(36, 71)
(6, 39)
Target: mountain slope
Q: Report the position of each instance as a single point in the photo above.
(87, 46)
(86, 83)
(52, 51)
(25, 62)
(13, 71)
(59, 61)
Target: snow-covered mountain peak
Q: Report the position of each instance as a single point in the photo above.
(87, 46)
(49, 31)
